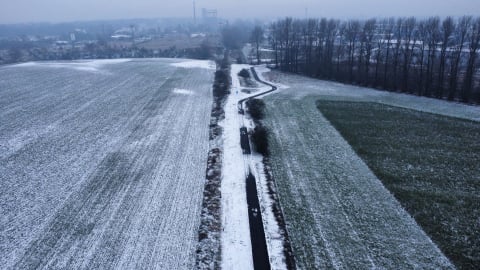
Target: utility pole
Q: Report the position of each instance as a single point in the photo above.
(132, 31)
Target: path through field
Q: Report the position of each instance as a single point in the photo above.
(102, 163)
(237, 236)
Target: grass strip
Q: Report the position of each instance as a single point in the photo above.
(429, 162)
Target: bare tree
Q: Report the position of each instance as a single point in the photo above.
(369, 29)
(133, 28)
(351, 33)
(296, 44)
(340, 46)
(388, 34)
(396, 50)
(257, 38)
(446, 31)
(286, 29)
(14, 55)
(234, 36)
(320, 38)
(417, 57)
(309, 38)
(422, 32)
(329, 45)
(409, 40)
(380, 44)
(461, 36)
(432, 38)
(274, 40)
(474, 43)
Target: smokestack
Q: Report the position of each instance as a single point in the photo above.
(194, 13)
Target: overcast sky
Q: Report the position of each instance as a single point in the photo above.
(19, 11)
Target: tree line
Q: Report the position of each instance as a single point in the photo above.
(431, 57)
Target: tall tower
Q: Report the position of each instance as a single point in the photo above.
(194, 13)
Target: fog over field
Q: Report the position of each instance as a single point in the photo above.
(57, 11)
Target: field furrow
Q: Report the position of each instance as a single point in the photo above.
(103, 169)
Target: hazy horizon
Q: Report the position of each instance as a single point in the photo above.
(54, 11)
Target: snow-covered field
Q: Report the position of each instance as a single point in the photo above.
(102, 163)
(339, 215)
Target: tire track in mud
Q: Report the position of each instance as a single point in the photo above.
(136, 209)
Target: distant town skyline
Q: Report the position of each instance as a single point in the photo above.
(27, 11)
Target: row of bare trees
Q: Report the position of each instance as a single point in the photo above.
(431, 57)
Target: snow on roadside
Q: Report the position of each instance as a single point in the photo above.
(236, 243)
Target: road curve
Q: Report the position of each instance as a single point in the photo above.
(255, 75)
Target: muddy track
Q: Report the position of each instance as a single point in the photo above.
(257, 232)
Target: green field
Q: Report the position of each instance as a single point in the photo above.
(338, 214)
(431, 164)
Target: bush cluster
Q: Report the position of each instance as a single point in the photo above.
(260, 140)
(256, 108)
(222, 82)
(244, 73)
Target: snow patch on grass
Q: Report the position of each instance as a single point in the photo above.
(82, 65)
(196, 64)
(182, 91)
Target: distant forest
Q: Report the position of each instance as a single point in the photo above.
(430, 57)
